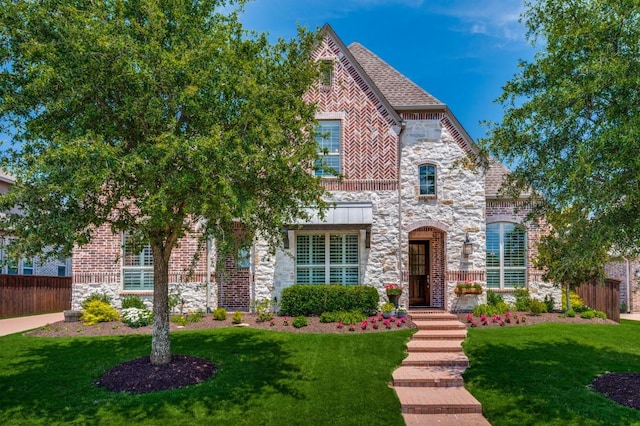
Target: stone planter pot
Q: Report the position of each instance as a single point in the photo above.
(72, 316)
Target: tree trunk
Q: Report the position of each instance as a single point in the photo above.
(160, 343)
(567, 293)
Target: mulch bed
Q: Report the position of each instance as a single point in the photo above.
(140, 376)
(623, 388)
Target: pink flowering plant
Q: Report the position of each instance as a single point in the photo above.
(393, 289)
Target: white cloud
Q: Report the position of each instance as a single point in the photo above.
(493, 18)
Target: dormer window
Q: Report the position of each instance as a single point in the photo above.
(326, 73)
(427, 176)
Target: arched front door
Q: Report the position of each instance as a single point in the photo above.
(419, 273)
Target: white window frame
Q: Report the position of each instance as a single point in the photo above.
(145, 271)
(435, 180)
(320, 138)
(327, 265)
(501, 251)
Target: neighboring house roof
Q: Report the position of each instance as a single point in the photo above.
(493, 179)
(6, 177)
(401, 92)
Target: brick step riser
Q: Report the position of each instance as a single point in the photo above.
(441, 409)
(425, 383)
(438, 337)
(436, 363)
(438, 350)
(432, 319)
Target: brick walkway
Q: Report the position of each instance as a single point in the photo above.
(429, 382)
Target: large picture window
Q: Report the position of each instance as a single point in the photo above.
(328, 138)
(137, 266)
(427, 179)
(506, 255)
(327, 258)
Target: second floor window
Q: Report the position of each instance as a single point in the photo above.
(328, 138)
(137, 266)
(427, 179)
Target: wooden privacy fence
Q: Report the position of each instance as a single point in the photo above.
(33, 294)
(602, 297)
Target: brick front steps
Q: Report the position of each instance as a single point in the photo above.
(429, 382)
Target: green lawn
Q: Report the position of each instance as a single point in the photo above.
(540, 375)
(264, 378)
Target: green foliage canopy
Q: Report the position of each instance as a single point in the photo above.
(571, 123)
(152, 117)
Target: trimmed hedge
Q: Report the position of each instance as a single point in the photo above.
(309, 299)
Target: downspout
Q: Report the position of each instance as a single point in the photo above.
(403, 125)
(628, 284)
(208, 296)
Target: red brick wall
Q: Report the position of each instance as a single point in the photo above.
(234, 291)
(369, 146)
(103, 255)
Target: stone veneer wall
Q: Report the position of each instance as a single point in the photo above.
(618, 270)
(97, 268)
(456, 209)
(379, 264)
(515, 212)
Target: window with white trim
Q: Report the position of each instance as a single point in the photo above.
(137, 266)
(328, 139)
(506, 255)
(427, 176)
(327, 258)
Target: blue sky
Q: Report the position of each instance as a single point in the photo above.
(460, 51)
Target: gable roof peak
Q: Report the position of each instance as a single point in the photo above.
(399, 90)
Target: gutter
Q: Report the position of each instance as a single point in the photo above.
(403, 125)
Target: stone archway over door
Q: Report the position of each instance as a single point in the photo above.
(426, 267)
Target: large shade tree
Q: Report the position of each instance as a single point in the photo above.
(150, 116)
(571, 124)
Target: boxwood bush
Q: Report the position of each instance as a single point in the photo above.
(307, 299)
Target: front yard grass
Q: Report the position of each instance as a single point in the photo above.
(540, 375)
(264, 378)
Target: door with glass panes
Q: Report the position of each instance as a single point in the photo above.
(419, 267)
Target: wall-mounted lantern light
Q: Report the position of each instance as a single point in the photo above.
(467, 247)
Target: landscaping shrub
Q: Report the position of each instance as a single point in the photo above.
(601, 315)
(306, 300)
(101, 297)
(590, 314)
(179, 319)
(494, 298)
(195, 316)
(220, 314)
(136, 317)
(575, 300)
(351, 317)
(299, 322)
(485, 309)
(570, 313)
(133, 301)
(263, 310)
(550, 302)
(236, 318)
(96, 311)
(522, 299)
(536, 307)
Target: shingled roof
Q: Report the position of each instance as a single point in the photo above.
(398, 89)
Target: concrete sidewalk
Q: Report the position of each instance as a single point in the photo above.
(635, 317)
(16, 325)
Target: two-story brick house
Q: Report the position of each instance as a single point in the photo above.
(409, 209)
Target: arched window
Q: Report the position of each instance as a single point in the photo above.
(427, 179)
(506, 255)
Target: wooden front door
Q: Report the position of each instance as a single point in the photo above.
(419, 267)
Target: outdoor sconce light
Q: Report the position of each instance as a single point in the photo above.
(467, 247)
